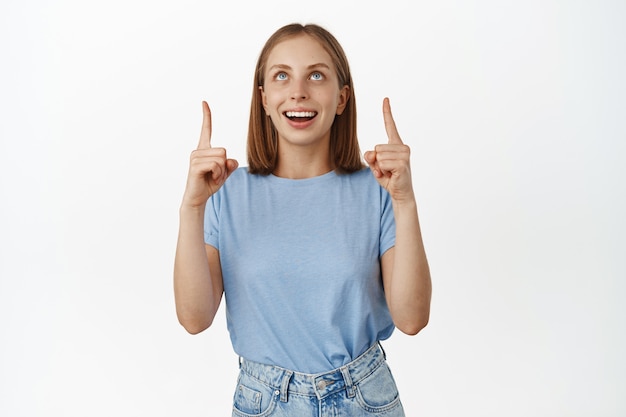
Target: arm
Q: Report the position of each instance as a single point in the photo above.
(406, 275)
(198, 285)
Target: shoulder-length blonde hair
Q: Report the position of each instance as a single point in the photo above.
(262, 136)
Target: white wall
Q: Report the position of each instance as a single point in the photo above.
(515, 113)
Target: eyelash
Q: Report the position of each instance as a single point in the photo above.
(281, 73)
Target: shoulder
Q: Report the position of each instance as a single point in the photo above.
(242, 184)
(242, 176)
(363, 177)
(239, 174)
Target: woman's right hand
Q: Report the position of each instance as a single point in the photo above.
(209, 167)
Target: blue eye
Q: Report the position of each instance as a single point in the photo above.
(317, 76)
(281, 76)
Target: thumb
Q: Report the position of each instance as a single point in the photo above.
(370, 158)
(231, 166)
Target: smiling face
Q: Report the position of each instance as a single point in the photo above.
(301, 92)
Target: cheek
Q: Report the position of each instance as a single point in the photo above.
(330, 97)
(270, 99)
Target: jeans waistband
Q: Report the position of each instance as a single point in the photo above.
(285, 381)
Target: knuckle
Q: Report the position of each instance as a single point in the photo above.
(220, 152)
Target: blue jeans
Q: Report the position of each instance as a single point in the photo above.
(364, 387)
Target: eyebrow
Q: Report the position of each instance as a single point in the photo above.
(287, 67)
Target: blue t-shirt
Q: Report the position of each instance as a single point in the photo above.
(300, 264)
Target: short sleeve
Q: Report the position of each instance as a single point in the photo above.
(212, 221)
(387, 223)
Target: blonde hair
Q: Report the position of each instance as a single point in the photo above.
(262, 136)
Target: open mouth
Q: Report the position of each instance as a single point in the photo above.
(300, 116)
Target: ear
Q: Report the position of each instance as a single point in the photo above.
(263, 99)
(344, 97)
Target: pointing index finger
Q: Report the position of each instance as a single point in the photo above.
(205, 132)
(390, 124)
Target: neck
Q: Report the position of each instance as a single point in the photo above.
(302, 162)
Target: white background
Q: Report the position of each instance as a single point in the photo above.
(516, 117)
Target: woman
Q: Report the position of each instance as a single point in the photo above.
(319, 256)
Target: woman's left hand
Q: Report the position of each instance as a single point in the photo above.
(390, 163)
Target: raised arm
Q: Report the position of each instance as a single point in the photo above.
(198, 285)
(406, 275)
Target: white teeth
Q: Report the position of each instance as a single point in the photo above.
(300, 114)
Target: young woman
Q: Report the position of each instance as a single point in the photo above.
(319, 256)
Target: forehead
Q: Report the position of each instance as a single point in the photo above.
(299, 50)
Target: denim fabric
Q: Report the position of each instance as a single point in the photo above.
(364, 387)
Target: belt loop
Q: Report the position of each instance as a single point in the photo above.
(284, 387)
(383, 350)
(348, 380)
(239, 361)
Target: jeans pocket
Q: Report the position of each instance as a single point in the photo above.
(253, 397)
(378, 392)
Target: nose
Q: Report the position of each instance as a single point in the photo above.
(299, 89)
